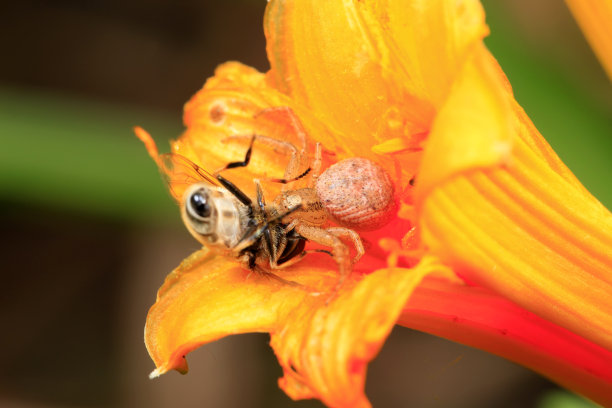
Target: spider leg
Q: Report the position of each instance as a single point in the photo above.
(353, 236)
(285, 112)
(339, 250)
(296, 157)
(316, 165)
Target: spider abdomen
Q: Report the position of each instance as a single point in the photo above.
(357, 193)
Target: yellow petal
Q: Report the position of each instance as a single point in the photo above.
(521, 225)
(595, 20)
(474, 127)
(366, 60)
(324, 351)
(323, 346)
(207, 297)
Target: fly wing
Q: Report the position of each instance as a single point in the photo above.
(178, 172)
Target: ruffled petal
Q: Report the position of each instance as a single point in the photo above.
(479, 318)
(324, 351)
(372, 71)
(322, 344)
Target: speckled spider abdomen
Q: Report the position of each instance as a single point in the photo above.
(357, 193)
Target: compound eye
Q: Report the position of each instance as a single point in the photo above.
(198, 206)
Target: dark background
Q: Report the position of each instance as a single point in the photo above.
(88, 232)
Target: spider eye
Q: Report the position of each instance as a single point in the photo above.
(199, 206)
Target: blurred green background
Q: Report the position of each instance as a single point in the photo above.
(89, 231)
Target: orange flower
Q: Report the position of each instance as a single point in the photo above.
(510, 253)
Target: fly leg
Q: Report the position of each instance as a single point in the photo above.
(283, 114)
(247, 157)
(292, 169)
(255, 231)
(296, 157)
(272, 249)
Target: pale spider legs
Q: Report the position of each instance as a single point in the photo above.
(291, 174)
(315, 233)
(273, 251)
(329, 237)
(296, 156)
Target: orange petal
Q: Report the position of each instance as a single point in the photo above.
(201, 301)
(479, 318)
(221, 119)
(531, 236)
(474, 127)
(515, 220)
(228, 105)
(323, 349)
(356, 64)
(595, 20)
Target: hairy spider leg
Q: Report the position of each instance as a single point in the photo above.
(340, 251)
(353, 236)
(294, 121)
(316, 166)
(292, 169)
